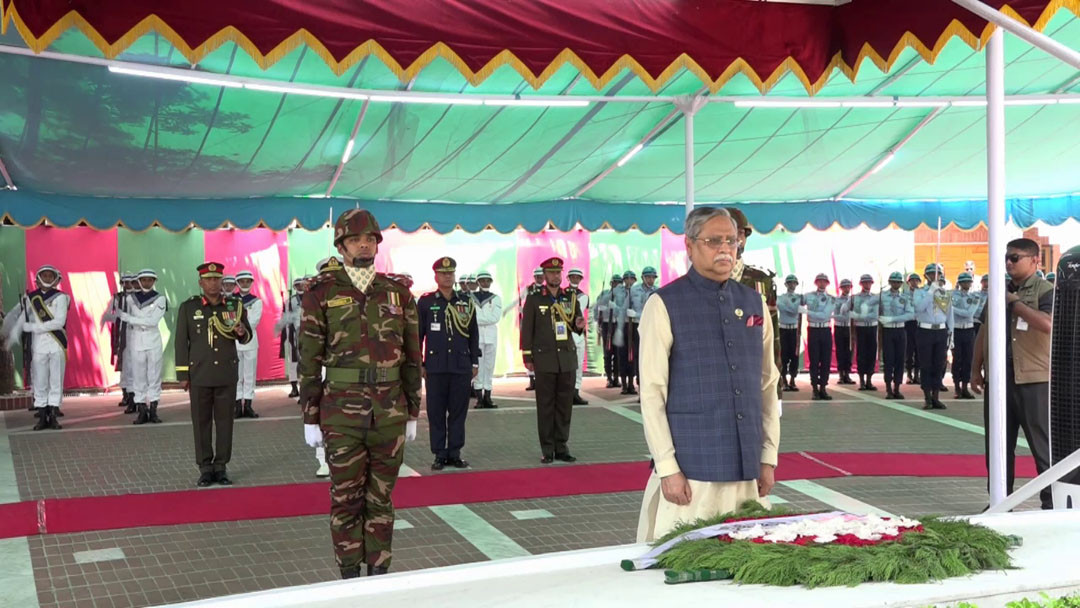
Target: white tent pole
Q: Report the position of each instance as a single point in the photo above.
(689, 106)
(7, 176)
(888, 156)
(995, 199)
(1022, 31)
(348, 150)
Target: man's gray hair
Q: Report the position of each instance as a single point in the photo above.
(700, 216)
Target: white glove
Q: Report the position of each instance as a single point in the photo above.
(410, 431)
(803, 310)
(313, 435)
(631, 313)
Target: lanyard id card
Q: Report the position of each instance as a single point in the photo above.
(561, 331)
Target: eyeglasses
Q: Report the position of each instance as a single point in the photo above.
(715, 243)
(1016, 257)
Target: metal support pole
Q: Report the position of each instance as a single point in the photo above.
(689, 106)
(995, 198)
(1022, 31)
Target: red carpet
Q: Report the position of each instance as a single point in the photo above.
(67, 515)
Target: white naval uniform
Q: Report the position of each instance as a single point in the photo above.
(488, 316)
(49, 357)
(579, 342)
(248, 354)
(142, 357)
(290, 316)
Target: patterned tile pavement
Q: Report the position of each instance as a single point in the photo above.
(101, 453)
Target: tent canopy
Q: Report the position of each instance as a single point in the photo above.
(83, 143)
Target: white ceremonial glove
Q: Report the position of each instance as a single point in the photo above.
(410, 431)
(631, 313)
(803, 310)
(313, 435)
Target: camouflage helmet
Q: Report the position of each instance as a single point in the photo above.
(740, 220)
(355, 222)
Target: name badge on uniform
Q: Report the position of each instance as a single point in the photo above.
(1021, 324)
(340, 301)
(436, 327)
(198, 316)
(561, 332)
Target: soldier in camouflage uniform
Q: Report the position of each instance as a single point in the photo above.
(758, 279)
(364, 328)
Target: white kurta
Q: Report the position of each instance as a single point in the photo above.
(658, 516)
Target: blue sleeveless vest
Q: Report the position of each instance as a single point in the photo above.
(714, 383)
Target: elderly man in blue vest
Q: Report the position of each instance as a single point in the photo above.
(708, 386)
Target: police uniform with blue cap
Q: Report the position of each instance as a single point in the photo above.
(627, 315)
(896, 309)
(965, 303)
(934, 313)
(911, 352)
(450, 338)
(604, 313)
(864, 315)
(788, 315)
(819, 312)
(550, 317)
(842, 337)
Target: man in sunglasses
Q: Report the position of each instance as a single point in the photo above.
(1029, 301)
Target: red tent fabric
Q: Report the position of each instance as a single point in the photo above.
(715, 39)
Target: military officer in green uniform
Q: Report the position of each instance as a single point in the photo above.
(207, 330)
(549, 316)
(758, 279)
(364, 329)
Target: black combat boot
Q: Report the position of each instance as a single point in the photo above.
(249, 412)
(817, 395)
(123, 399)
(824, 395)
(896, 391)
(862, 382)
(238, 409)
(295, 392)
(532, 384)
(792, 386)
(928, 399)
(612, 382)
(351, 572)
(153, 413)
(42, 414)
(144, 414)
(630, 390)
(54, 424)
(131, 406)
(578, 400)
(938, 405)
(869, 383)
(966, 394)
(377, 570)
(488, 403)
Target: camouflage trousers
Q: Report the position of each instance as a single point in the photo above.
(364, 467)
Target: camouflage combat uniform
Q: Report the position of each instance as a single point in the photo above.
(369, 343)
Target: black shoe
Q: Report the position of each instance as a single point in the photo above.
(205, 480)
(578, 400)
(911, 379)
(792, 386)
(377, 570)
(532, 384)
(888, 392)
(458, 463)
(51, 412)
(295, 392)
(547, 460)
(612, 383)
(623, 391)
(132, 407)
(630, 390)
(438, 464)
(153, 413)
(784, 386)
(896, 392)
(488, 403)
(870, 387)
(238, 409)
(123, 399)
(825, 396)
(565, 457)
(966, 394)
(222, 479)
(942, 387)
(862, 385)
(42, 414)
(59, 413)
(347, 573)
(817, 395)
(938, 405)
(144, 415)
(248, 411)
(928, 400)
